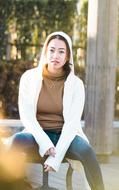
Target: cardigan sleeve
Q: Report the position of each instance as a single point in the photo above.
(71, 127)
(28, 116)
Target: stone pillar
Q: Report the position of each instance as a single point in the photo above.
(100, 74)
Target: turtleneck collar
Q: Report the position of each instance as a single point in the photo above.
(52, 76)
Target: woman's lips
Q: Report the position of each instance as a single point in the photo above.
(55, 62)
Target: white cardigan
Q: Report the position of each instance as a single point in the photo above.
(73, 104)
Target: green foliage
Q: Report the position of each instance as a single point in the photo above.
(5, 12)
(31, 21)
(83, 25)
(81, 21)
(34, 20)
(9, 83)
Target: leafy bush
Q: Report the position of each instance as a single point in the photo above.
(9, 83)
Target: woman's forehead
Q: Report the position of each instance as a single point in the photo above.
(57, 43)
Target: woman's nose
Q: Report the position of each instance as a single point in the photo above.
(56, 55)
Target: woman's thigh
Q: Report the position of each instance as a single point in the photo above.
(80, 149)
(25, 142)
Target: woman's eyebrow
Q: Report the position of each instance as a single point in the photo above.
(58, 48)
(62, 48)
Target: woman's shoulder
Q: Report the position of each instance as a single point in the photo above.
(76, 79)
(29, 73)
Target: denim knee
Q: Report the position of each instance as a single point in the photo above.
(23, 139)
(79, 148)
(87, 151)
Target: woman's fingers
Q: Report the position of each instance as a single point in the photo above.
(47, 153)
(48, 168)
(45, 166)
(51, 152)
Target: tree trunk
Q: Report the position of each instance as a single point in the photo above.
(100, 74)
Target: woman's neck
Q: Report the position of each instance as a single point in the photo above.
(55, 71)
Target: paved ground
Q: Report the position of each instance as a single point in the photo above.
(110, 173)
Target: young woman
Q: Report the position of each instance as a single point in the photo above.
(51, 101)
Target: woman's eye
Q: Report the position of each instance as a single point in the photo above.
(61, 52)
(51, 50)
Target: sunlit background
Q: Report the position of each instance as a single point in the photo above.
(23, 29)
(24, 25)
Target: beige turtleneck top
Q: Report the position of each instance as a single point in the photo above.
(50, 101)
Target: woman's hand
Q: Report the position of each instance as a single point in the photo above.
(48, 168)
(51, 152)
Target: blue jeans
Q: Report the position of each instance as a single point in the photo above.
(79, 150)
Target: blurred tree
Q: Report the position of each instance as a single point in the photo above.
(33, 20)
(5, 11)
(80, 37)
(24, 25)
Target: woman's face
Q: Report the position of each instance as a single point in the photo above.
(56, 55)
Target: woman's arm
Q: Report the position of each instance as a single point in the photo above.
(28, 116)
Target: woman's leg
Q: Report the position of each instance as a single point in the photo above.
(25, 142)
(82, 151)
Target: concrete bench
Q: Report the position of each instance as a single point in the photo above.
(8, 127)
